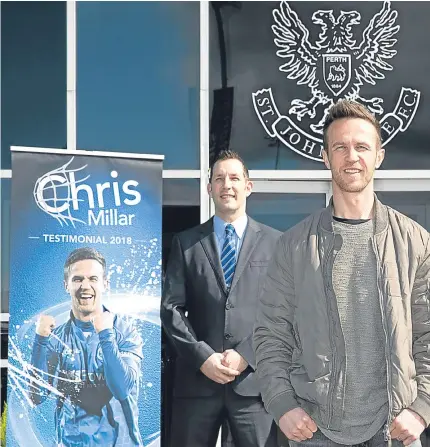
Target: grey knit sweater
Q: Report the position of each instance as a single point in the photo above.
(355, 288)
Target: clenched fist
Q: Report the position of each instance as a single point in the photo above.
(407, 427)
(297, 425)
(232, 359)
(44, 325)
(213, 369)
(103, 321)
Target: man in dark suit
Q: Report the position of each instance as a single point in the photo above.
(210, 298)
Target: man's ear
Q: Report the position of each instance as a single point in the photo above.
(249, 186)
(209, 188)
(65, 286)
(325, 158)
(380, 157)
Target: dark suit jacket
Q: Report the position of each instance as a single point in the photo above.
(198, 315)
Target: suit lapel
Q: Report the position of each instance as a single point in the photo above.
(209, 244)
(251, 237)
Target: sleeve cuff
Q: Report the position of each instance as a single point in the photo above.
(421, 406)
(204, 352)
(281, 404)
(246, 351)
(41, 340)
(106, 334)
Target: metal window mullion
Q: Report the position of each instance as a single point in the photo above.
(291, 187)
(328, 194)
(204, 110)
(71, 75)
(406, 184)
(286, 175)
(181, 173)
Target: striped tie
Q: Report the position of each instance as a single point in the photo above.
(228, 255)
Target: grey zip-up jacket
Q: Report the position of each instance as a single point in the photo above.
(298, 340)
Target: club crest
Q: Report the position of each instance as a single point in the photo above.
(333, 67)
(337, 72)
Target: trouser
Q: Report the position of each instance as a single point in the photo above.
(319, 440)
(196, 421)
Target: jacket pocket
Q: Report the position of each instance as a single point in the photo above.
(393, 288)
(259, 263)
(297, 337)
(259, 268)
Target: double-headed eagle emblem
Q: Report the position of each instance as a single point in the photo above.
(335, 65)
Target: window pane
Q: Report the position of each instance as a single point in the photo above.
(181, 209)
(138, 79)
(415, 205)
(33, 76)
(4, 328)
(181, 192)
(3, 387)
(262, 60)
(281, 210)
(5, 247)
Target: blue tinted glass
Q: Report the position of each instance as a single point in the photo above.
(33, 76)
(414, 204)
(4, 252)
(283, 210)
(280, 74)
(138, 79)
(181, 192)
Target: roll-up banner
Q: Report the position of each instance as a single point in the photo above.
(84, 331)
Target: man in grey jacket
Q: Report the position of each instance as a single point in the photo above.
(342, 337)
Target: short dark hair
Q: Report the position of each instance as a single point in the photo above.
(81, 254)
(349, 109)
(228, 155)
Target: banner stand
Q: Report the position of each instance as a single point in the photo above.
(85, 288)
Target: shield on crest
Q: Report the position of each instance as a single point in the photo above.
(337, 72)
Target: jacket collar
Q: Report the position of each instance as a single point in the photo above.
(381, 217)
(208, 241)
(207, 227)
